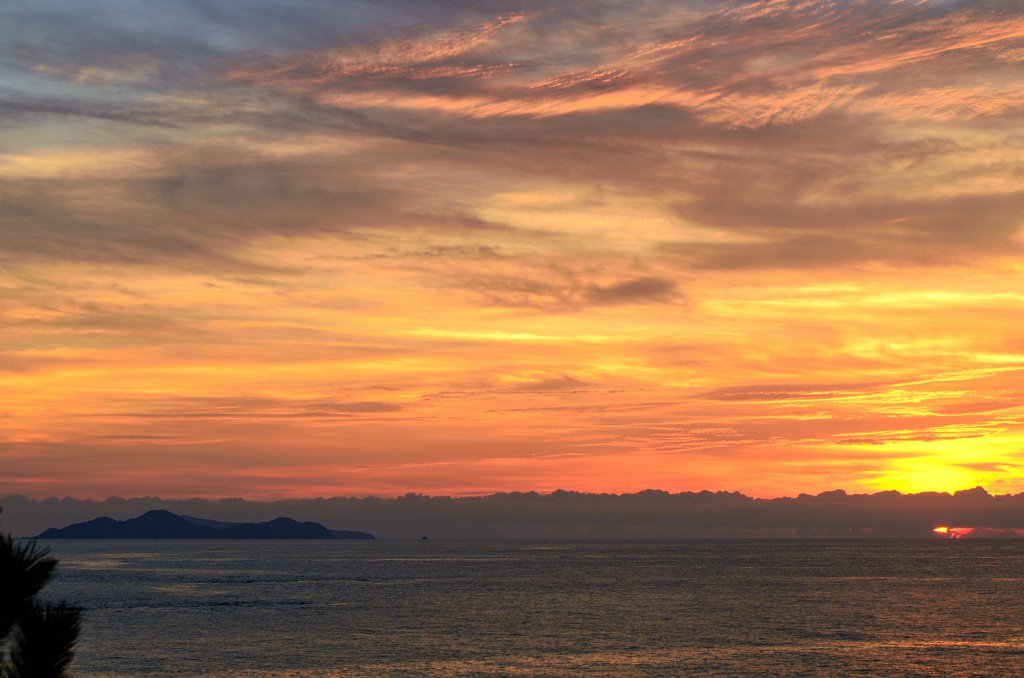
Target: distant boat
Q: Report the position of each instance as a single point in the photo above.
(160, 524)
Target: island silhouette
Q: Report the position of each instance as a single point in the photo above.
(161, 524)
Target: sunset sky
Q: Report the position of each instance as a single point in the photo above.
(299, 248)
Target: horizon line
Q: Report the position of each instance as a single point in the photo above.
(977, 490)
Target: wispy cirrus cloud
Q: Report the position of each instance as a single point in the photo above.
(745, 64)
(821, 134)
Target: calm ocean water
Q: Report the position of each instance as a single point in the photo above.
(478, 608)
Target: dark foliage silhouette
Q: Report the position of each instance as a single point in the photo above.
(44, 635)
(44, 642)
(24, 570)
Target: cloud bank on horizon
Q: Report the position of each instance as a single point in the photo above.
(648, 514)
(302, 247)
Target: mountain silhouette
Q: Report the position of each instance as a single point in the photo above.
(215, 524)
(160, 524)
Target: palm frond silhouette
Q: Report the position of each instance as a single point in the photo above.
(44, 642)
(44, 635)
(24, 570)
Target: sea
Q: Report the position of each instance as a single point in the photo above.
(545, 608)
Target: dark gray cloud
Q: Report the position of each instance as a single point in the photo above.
(562, 383)
(936, 231)
(203, 210)
(556, 289)
(632, 291)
